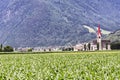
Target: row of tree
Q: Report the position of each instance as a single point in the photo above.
(6, 48)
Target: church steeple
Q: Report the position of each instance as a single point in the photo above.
(99, 41)
(99, 32)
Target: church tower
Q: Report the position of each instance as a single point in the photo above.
(99, 40)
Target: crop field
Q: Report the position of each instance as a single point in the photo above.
(100, 65)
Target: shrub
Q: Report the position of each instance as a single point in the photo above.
(115, 45)
(30, 50)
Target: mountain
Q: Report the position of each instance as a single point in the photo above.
(55, 22)
(114, 37)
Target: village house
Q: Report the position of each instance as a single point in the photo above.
(21, 49)
(79, 47)
(46, 49)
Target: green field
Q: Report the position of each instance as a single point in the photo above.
(100, 65)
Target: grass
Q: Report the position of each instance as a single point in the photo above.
(99, 65)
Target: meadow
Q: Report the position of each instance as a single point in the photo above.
(99, 65)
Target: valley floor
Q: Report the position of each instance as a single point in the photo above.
(99, 65)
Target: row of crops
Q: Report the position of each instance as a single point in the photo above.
(58, 66)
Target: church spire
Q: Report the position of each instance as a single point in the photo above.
(99, 41)
(99, 31)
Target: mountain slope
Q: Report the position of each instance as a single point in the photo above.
(114, 37)
(54, 22)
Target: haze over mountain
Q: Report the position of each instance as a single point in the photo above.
(55, 22)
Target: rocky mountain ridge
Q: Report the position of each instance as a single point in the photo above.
(55, 22)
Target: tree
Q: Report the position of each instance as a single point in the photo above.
(85, 47)
(115, 45)
(97, 46)
(89, 45)
(8, 49)
(1, 47)
(107, 46)
(1, 50)
(30, 50)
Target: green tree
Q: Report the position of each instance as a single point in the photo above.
(0, 50)
(30, 50)
(8, 49)
(1, 47)
(115, 45)
(106, 45)
(97, 46)
(89, 45)
(85, 47)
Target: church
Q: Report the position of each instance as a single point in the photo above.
(99, 43)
